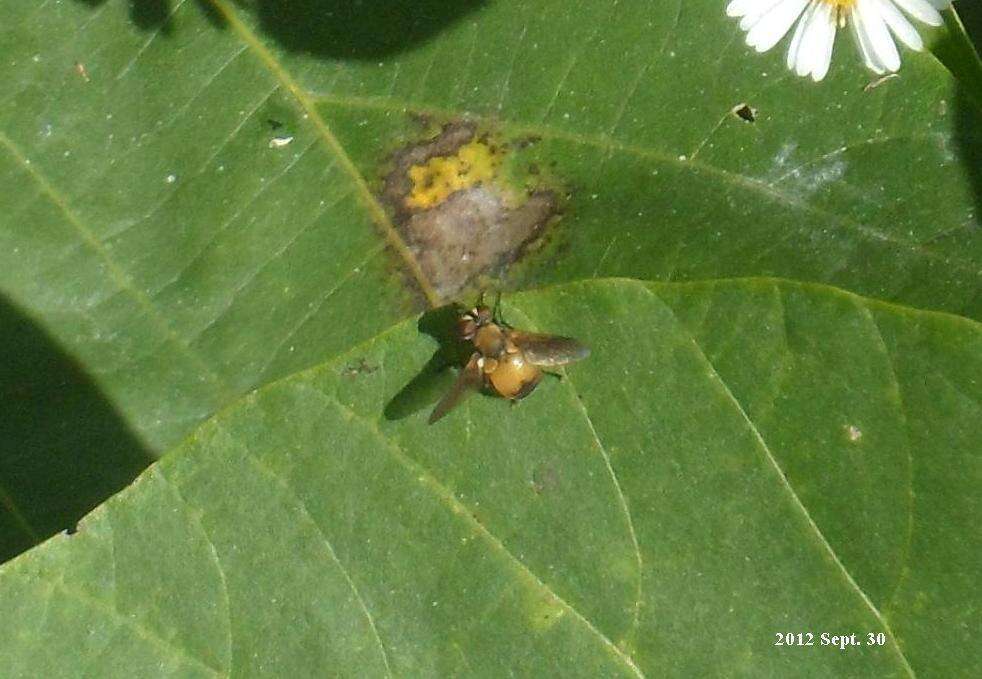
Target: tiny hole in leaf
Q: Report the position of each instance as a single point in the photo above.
(745, 113)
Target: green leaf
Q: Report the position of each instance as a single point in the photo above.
(734, 460)
(63, 447)
(193, 189)
(181, 254)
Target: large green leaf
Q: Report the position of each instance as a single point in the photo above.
(735, 460)
(191, 188)
(153, 230)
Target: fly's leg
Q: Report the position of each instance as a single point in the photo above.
(496, 310)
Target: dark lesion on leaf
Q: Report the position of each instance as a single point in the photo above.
(360, 367)
(545, 478)
(461, 214)
(745, 112)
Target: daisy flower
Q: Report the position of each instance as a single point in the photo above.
(810, 52)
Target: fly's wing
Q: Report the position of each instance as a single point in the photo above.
(470, 379)
(547, 351)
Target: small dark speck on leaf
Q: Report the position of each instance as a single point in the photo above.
(525, 142)
(360, 368)
(71, 530)
(745, 113)
(544, 478)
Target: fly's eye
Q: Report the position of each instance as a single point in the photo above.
(466, 328)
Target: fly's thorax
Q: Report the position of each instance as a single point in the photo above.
(490, 340)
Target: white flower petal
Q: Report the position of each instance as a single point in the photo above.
(901, 28)
(824, 42)
(739, 8)
(809, 40)
(863, 42)
(880, 41)
(922, 10)
(755, 12)
(877, 26)
(775, 24)
(814, 51)
(799, 31)
(751, 18)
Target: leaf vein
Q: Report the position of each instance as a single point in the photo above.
(307, 105)
(280, 480)
(462, 511)
(606, 143)
(193, 514)
(621, 498)
(116, 274)
(786, 485)
(905, 557)
(156, 33)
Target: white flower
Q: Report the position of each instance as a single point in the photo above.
(810, 52)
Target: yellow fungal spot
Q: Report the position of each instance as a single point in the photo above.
(433, 181)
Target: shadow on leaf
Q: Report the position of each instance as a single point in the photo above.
(969, 108)
(336, 29)
(156, 15)
(437, 375)
(353, 29)
(63, 447)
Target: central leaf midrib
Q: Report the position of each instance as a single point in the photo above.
(302, 99)
(306, 101)
(466, 514)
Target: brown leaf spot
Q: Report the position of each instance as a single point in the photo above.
(457, 213)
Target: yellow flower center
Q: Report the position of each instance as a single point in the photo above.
(841, 8)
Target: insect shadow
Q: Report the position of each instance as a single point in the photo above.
(437, 375)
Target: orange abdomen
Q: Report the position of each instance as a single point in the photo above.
(514, 377)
